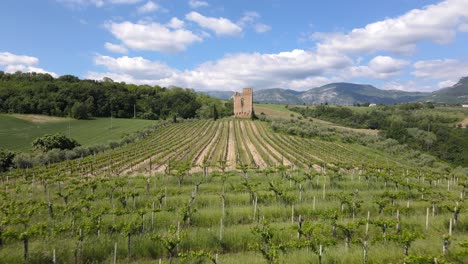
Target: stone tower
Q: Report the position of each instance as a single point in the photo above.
(243, 103)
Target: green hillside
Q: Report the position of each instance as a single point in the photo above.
(456, 94)
(17, 133)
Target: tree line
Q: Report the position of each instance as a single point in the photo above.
(67, 95)
(417, 125)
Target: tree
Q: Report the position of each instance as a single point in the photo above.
(6, 159)
(79, 111)
(58, 141)
(215, 113)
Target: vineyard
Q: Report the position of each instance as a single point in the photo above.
(233, 191)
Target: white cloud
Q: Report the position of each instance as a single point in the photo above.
(249, 19)
(7, 58)
(23, 63)
(137, 67)
(446, 83)
(261, 28)
(463, 27)
(221, 25)
(380, 67)
(197, 4)
(149, 7)
(152, 36)
(443, 70)
(409, 86)
(96, 3)
(386, 64)
(437, 23)
(297, 69)
(115, 48)
(27, 68)
(175, 23)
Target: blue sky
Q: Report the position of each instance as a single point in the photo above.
(413, 45)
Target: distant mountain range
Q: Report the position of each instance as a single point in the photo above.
(351, 93)
(456, 94)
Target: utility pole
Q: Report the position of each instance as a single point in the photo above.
(134, 110)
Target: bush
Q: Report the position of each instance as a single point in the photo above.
(6, 160)
(56, 141)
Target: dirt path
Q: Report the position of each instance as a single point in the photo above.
(231, 149)
(270, 148)
(251, 147)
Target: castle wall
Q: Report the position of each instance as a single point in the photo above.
(243, 103)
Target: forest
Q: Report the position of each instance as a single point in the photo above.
(67, 95)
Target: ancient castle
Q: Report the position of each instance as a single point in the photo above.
(243, 103)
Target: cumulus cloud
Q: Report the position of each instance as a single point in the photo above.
(197, 4)
(409, 86)
(23, 63)
(149, 7)
(437, 23)
(175, 23)
(96, 3)
(379, 67)
(221, 25)
(386, 64)
(444, 69)
(7, 58)
(152, 36)
(297, 69)
(115, 48)
(137, 67)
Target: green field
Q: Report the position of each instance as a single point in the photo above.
(18, 133)
(234, 191)
(273, 110)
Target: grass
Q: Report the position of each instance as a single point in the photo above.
(274, 110)
(18, 132)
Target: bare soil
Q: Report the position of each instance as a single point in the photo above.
(39, 118)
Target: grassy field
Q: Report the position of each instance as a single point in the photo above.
(18, 131)
(273, 110)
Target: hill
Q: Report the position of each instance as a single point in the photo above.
(456, 94)
(337, 94)
(278, 96)
(225, 95)
(18, 131)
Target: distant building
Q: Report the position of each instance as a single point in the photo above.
(243, 103)
(465, 105)
(372, 105)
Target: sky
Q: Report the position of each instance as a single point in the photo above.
(411, 45)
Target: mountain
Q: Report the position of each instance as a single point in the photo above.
(219, 94)
(338, 94)
(278, 96)
(456, 94)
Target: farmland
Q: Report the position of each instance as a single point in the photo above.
(233, 191)
(18, 131)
